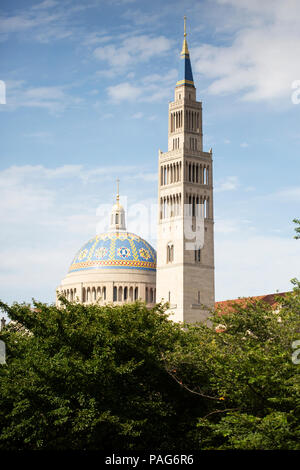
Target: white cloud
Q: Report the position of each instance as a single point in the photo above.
(138, 115)
(168, 78)
(42, 136)
(291, 194)
(149, 89)
(229, 184)
(124, 92)
(16, 23)
(260, 62)
(244, 145)
(44, 5)
(37, 22)
(132, 50)
(94, 38)
(54, 99)
(45, 21)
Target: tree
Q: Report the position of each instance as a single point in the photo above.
(91, 377)
(297, 229)
(244, 369)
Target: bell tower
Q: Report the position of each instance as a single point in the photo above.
(185, 247)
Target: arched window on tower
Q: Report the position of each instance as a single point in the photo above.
(205, 208)
(170, 253)
(197, 255)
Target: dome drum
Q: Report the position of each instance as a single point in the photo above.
(106, 293)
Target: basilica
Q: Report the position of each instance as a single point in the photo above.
(120, 267)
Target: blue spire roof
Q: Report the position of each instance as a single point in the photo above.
(185, 76)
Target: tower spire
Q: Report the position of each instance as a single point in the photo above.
(185, 49)
(185, 265)
(185, 74)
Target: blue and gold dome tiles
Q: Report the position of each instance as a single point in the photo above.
(115, 250)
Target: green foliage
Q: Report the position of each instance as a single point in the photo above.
(91, 377)
(247, 371)
(297, 229)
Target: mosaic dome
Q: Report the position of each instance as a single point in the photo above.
(113, 250)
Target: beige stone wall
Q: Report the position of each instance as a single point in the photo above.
(188, 284)
(88, 286)
(170, 275)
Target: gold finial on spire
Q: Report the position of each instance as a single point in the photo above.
(185, 50)
(118, 196)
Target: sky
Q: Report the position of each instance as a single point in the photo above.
(84, 93)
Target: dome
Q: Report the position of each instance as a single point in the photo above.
(113, 267)
(113, 250)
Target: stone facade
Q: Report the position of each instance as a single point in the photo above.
(185, 249)
(118, 286)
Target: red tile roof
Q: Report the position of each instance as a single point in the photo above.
(227, 306)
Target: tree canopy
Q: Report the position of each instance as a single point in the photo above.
(297, 229)
(125, 377)
(245, 366)
(90, 377)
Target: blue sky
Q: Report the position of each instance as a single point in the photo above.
(87, 92)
